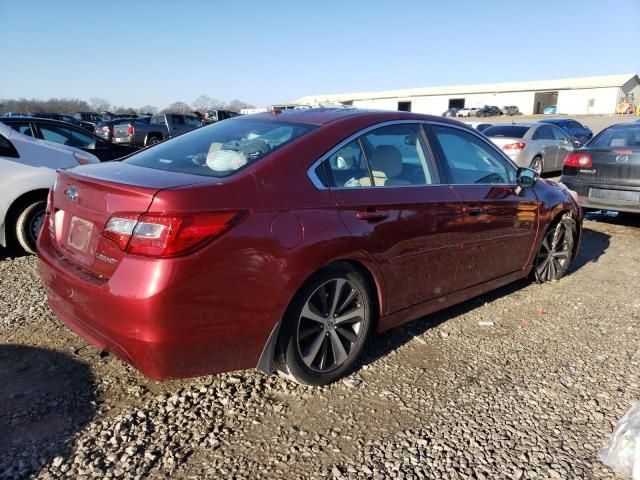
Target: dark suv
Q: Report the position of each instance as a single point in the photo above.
(489, 111)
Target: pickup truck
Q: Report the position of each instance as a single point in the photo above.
(159, 128)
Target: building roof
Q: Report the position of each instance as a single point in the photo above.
(539, 85)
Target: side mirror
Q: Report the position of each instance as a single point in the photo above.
(526, 178)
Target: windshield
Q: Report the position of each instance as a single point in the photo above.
(220, 149)
(628, 136)
(510, 131)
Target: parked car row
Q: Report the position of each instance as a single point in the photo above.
(486, 111)
(157, 129)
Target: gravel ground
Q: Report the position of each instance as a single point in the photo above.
(526, 382)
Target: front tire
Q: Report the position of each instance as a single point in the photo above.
(29, 223)
(325, 327)
(556, 250)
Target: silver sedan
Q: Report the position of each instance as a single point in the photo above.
(540, 146)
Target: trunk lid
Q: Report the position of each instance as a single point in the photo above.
(121, 131)
(85, 198)
(617, 166)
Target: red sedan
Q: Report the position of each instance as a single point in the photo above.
(283, 240)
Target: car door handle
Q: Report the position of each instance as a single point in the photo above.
(372, 215)
(473, 210)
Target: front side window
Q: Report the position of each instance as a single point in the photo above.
(193, 122)
(177, 120)
(221, 149)
(558, 134)
(66, 136)
(470, 160)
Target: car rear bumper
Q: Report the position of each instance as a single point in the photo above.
(610, 197)
(155, 316)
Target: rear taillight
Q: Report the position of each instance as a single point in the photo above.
(514, 147)
(167, 235)
(130, 130)
(82, 160)
(578, 160)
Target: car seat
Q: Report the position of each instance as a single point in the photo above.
(386, 168)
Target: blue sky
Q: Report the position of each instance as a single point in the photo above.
(136, 53)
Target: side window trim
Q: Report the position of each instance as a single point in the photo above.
(315, 180)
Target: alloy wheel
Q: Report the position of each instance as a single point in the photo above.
(36, 225)
(330, 325)
(555, 253)
(536, 165)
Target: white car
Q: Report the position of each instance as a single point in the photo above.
(27, 171)
(467, 112)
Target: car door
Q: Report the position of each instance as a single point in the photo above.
(388, 193)
(545, 138)
(565, 146)
(498, 225)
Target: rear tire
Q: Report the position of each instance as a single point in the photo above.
(29, 223)
(537, 164)
(153, 141)
(556, 251)
(325, 327)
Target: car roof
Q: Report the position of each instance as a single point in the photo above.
(556, 120)
(39, 119)
(324, 116)
(518, 124)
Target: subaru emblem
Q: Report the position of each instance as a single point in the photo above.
(72, 194)
(622, 158)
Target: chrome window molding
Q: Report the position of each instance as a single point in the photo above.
(311, 171)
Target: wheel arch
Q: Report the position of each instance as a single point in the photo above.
(374, 283)
(14, 208)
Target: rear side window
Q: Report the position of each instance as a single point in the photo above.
(390, 156)
(221, 149)
(157, 120)
(7, 149)
(470, 160)
(544, 132)
(510, 131)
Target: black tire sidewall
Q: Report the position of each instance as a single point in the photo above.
(24, 222)
(569, 224)
(294, 364)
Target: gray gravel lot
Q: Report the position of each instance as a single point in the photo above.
(525, 382)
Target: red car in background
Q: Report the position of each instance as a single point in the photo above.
(282, 240)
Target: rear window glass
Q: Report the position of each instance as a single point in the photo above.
(220, 149)
(618, 137)
(511, 131)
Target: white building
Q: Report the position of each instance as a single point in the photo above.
(573, 96)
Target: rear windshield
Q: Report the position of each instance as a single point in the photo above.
(511, 131)
(618, 137)
(220, 149)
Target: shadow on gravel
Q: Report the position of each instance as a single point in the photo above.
(594, 245)
(391, 340)
(6, 253)
(45, 398)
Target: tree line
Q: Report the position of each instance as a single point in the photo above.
(73, 105)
